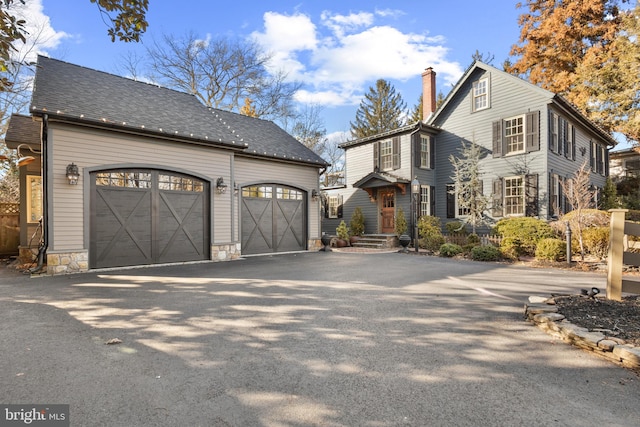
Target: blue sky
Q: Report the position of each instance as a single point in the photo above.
(338, 49)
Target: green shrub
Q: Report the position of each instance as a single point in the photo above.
(511, 247)
(473, 239)
(485, 253)
(357, 222)
(596, 241)
(551, 249)
(342, 231)
(450, 250)
(522, 234)
(430, 233)
(455, 227)
(401, 222)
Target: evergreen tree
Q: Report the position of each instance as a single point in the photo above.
(468, 184)
(381, 110)
(417, 115)
(609, 199)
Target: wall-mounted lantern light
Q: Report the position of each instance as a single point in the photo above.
(73, 174)
(314, 195)
(221, 187)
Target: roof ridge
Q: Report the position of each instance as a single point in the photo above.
(129, 79)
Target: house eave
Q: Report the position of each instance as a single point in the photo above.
(417, 126)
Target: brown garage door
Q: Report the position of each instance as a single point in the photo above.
(273, 219)
(147, 217)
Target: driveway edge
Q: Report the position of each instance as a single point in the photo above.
(546, 317)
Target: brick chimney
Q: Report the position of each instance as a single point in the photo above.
(428, 93)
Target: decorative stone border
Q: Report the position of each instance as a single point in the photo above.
(546, 317)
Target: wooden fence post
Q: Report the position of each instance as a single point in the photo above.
(616, 251)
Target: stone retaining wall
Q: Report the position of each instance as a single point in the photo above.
(547, 318)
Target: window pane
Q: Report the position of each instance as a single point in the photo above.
(386, 155)
(424, 152)
(514, 196)
(514, 134)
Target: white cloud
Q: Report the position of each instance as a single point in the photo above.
(41, 36)
(353, 51)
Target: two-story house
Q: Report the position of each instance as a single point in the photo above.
(532, 140)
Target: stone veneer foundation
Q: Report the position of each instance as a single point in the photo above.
(67, 262)
(225, 252)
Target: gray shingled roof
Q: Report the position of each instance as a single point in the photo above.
(75, 93)
(22, 130)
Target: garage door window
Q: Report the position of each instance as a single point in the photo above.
(265, 192)
(124, 179)
(179, 183)
(288, 194)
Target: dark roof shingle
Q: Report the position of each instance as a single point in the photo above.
(78, 93)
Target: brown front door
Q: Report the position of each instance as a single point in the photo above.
(388, 211)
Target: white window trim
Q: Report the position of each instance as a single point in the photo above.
(333, 204)
(425, 140)
(522, 196)
(425, 201)
(389, 166)
(524, 136)
(485, 94)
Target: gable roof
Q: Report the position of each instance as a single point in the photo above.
(553, 97)
(417, 126)
(72, 93)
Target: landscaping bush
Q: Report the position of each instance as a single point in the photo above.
(551, 249)
(596, 241)
(450, 250)
(455, 227)
(520, 235)
(342, 231)
(430, 233)
(511, 247)
(357, 222)
(401, 222)
(473, 239)
(485, 253)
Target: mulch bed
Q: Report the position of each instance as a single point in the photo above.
(620, 319)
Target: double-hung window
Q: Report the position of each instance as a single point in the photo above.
(333, 202)
(481, 94)
(425, 201)
(425, 155)
(386, 155)
(514, 195)
(514, 135)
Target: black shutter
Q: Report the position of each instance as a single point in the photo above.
(565, 139)
(417, 149)
(340, 206)
(432, 152)
(606, 162)
(599, 159)
(573, 142)
(532, 121)
(562, 199)
(325, 205)
(552, 194)
(591, 165)
(451, 201)
(531, 195)
(376, 156)
(497, 206)
(396, 152)
(497, 138)
(432, 200)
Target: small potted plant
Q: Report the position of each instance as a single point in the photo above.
(342, 231)
(401, 230)
(356, 225)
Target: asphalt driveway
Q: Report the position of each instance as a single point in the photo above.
(310, 339)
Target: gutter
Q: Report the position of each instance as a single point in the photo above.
(44, 243)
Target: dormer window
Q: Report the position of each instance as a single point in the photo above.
(481, 94)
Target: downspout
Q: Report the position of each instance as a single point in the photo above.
(44, 171)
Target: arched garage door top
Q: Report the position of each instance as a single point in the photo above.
(147, 216)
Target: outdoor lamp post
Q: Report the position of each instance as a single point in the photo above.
(415, 193)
